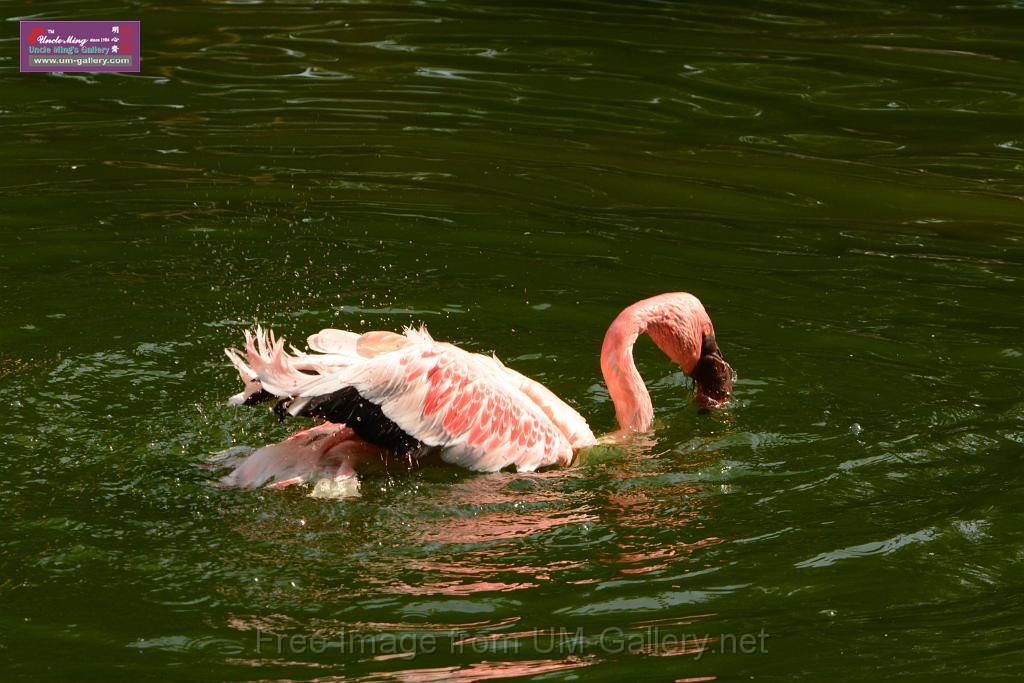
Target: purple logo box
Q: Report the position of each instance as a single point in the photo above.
(80, 45)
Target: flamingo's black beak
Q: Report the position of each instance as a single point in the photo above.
(712, 375)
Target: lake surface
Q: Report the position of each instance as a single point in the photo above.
(842, 188)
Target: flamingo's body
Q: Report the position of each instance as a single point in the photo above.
(409, 394)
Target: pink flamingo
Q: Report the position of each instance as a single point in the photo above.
(383, 393)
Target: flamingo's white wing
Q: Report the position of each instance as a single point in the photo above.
(564, 417)
(467, 404)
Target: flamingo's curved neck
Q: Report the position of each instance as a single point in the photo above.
(676, 323)
(626, 387)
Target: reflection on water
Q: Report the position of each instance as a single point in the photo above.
(840, 185)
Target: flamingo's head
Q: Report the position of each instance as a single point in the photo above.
(712, 375)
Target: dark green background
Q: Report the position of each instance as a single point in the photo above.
(841, 187)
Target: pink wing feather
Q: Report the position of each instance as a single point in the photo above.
(483, 415)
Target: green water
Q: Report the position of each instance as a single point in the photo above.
(842, 188)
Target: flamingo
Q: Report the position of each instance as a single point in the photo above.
(381, 394)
